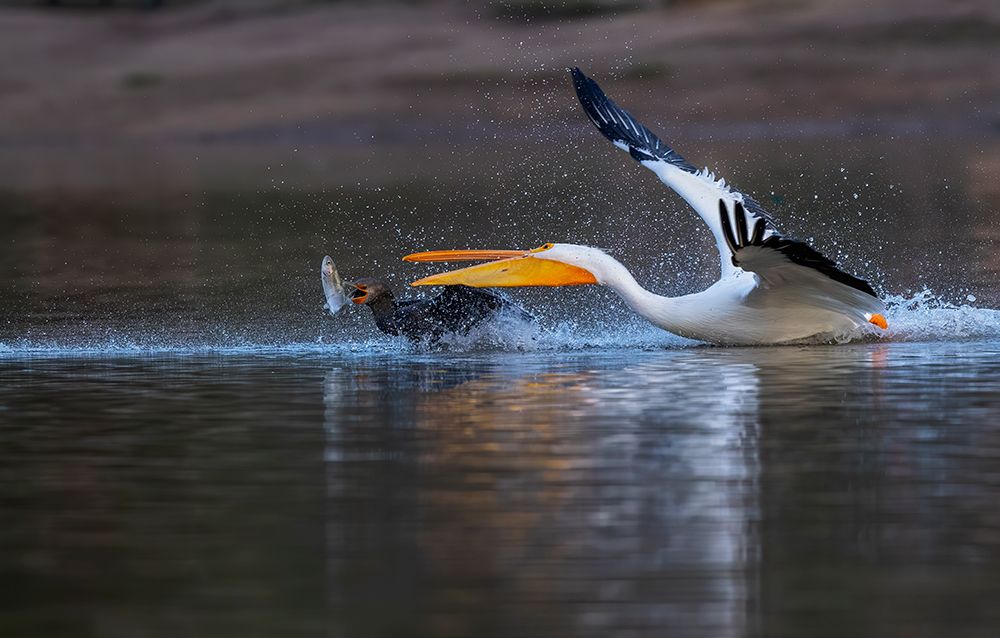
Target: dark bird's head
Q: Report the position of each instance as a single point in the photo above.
(369, 291)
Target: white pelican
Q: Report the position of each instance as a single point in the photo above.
(772, 289)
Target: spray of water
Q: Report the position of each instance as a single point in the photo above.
(922, 317)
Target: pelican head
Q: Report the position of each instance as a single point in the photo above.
(547, 265)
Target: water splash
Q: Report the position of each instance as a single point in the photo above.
(921, 317)
(926, 316)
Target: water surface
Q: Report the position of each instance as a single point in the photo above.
(841, 490)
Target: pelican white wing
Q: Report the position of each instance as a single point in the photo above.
(775, 259)
(700, 189)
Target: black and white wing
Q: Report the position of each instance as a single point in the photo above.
(750, 250)
(698, 188)
(789, 268)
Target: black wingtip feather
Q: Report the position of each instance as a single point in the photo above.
(758, 231)
(727, 230)
(797, 252)
(618, 126)
(741, 224)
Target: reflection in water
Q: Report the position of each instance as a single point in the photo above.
(712, 492)
(820, 491)
(559, 493)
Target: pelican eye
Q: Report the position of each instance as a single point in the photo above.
(543, 247)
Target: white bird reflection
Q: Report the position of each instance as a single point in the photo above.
(594, 493)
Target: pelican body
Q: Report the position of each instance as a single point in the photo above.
(772, 289)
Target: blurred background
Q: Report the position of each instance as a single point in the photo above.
(189, 162)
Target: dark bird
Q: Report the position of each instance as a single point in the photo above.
(455, 310)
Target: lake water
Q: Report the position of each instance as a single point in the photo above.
(823, 491)
(189, 446)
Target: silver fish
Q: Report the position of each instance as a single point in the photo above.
(333, 287)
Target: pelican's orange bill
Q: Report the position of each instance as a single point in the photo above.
(522, 270)
(465, 255)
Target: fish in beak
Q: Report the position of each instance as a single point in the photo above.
(505, 268)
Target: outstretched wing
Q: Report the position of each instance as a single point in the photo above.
(791, 272)
(698, 188)
(774, 255)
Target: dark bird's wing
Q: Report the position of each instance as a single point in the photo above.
(456, 309)
(467, 306)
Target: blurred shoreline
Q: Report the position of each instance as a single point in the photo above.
(343, 73)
